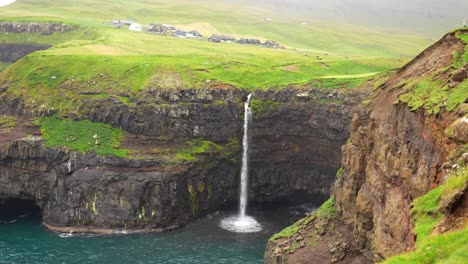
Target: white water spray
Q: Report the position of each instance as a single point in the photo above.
(243, 223)
(245, 158)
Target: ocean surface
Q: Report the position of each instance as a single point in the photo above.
(24, 240)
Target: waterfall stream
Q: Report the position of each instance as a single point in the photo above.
(245, 159)
(243, 223)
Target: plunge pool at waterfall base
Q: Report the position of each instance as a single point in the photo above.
(24, 240)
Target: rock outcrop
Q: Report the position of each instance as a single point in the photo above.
(12, 52)
(88, 193)
(33, 28)
(296, 142)
(395, 154)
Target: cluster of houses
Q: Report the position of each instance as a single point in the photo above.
(221, 38)
(162, 29)
(229, 39)
(165, 29)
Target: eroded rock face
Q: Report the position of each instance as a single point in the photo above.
(459, 75)
(13, 52)
(394, 156)
(32, 28)
(295, 150)
(296, 142)
(88, 193)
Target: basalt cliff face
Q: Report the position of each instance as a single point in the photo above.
(149, 192)
(33, 28)
(89, 193)
(296, 142)
(12, 52)
(395, 154)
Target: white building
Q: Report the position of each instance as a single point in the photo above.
(135, 27)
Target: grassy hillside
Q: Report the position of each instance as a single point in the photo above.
(220, 17)
(115, 62)
(98, 61)
(433, 93)
(449, 247)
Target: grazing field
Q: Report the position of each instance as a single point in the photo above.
(96, 60)
(220, 17)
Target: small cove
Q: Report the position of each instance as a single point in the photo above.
(24, 240)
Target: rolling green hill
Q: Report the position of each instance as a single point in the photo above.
(220, 17)
(100, 61)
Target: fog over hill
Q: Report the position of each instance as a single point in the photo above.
(431, 17)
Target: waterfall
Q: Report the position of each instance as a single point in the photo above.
(243, 223)
(245, 159)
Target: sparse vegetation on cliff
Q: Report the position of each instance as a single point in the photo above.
(326, 211)
(261, 107)
(449, 247)
(7, 121)
(336, 83)
(433, 92)
(195, 148)
(83, 136)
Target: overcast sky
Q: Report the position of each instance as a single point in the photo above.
(428, 16)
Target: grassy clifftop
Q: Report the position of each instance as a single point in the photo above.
(107, 62)
(434, 92)
(98, 61)
(210, 17)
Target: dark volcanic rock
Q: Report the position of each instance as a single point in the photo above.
(88, 193)
(395, 154)
(459, 75)
(32, 28)
(295, 151)
(13, 52)
(296, 143)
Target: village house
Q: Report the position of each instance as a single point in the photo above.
(181, 34)
(118, 23)
(221, 38)
(157, 28)
(271, 44)
(136, 27)
(169, 28)
(249, 41)
(196, 34)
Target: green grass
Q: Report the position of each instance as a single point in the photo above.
(463, 37)
(339, 172)
(8, 121)
(196, 147)
(260, 107)
(127, 62)
(3, 65)
(105, 62)
(327, 211)
(451, 247)
(211, 17)
(433, 94)
(335, 83)
(85, 35)
(288, 231)
(79, 136)
(195, 150)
